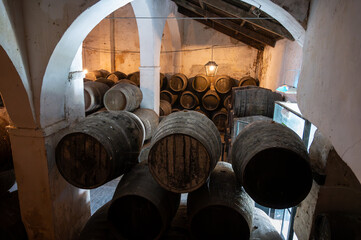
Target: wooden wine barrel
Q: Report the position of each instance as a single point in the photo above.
(178, 82)
(6, 159)
(221, 209)
(200, 83)
(150, 120)
(135, 77)
(184, 150)
(140, 208)
(223, 84)
(127, 81)
(272, 163)
(93, 95)
(123, 96)
(7, 180)
(262, 227)
(164, 108)
(220, 119)
(98, 227)
(168, 96)
(100, 148)
(251, 100)
(210, 100)
(227, 102)
(11, 225)
(106, 81)
(116, 76)
(248, 81)
(188, 100)
(240, 123)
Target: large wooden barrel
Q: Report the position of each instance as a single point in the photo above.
(164, 108)
(210, 100)
(272, 163)
(6, 159)
(263, 228)
(11, 225)
(220, 119)
(221, 209)
(7, 180)
(135, 77)
(116, 76)
(223, 84)
(251, 100)
(188, 100)
(248, 81)
(123, 96)
(141, 209)
(98, 227)
(93, 95)
(168, 96)
(200, 83)
(150, 120)
(184, 150)
(106, 81)
(100, 148)
(178, 82)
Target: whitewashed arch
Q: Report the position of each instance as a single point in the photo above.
(174, 30)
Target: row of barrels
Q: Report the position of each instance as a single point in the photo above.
(142, 209)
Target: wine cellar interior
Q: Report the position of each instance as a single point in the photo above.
(180, 119)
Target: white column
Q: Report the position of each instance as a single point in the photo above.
(149, 84)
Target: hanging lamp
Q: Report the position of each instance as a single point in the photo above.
(211, 67)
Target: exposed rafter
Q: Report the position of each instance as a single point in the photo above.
(232, 10)
(222, 29)
(226, 23)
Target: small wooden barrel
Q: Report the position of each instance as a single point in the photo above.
(106, 81)
(220, 119)
(210, 100)
(6, 159)
(227, 102)
(188, 100)
(248, 81)
(251, 100)
(100, 148)
(11, 225)
(168, 96)
(150, 120)
(116, 76)
(184, 150)
(164, 108)
(200, 83)
(98, 227)
(178, 82)
(223, 84)
(93, 95)
(221, 209)
(135, 77)
(263, 228)
(141, 209)
(272, 163)
(7, 180)
(123, 96)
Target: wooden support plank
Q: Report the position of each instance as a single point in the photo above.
(226, 23)
(238, 12)
(223, 29)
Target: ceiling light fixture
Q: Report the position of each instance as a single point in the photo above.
(211, 67)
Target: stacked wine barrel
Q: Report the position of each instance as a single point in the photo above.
(208, 95)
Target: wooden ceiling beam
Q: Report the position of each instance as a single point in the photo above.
(222, 29)
(240, 13)
(226, 23)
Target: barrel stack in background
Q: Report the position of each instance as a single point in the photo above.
(220, 209)
(184, 149)
(123, 96)
(100, 148)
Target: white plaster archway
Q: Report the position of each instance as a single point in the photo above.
(56, 76)
(174, 29)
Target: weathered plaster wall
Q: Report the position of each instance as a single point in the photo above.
(281, 64)
(329, 87)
